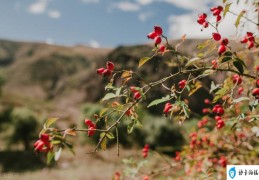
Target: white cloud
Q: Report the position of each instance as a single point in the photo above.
(90, 1)
(94, 44)
(126, 6)
(144, 2)
(145, 16)
(54, 14)
(187, 23)
(190, 4)
(38, 7)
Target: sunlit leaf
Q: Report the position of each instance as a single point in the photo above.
(110, 135)
(108, 96)
(49, 122)
(239, 18)
(104, 143)
(103, 111)
(197, 86)
(192, 61)
(58, 154)
(130, 127)
(143, 61)
(158, 101)
(126, 74)
(226, 8)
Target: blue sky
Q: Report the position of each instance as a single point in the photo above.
(105, 23)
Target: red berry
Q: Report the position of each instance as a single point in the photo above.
(223, 161)
(249, 34)
(158, 30)
(201, 21)
(207, 101)
(152, 35)
(167, 108)
(100, 71)
(110, 66)
(251, 38)
(216, 12)
(218, 18)
(221, 49)
(220, 123)
(137, 95)
(216, 36)
(88, 122)
(145, 177)
(250, 44)
(162, 48)
(44, 137)
(244, 40)
(205, 110)
(182, 84)
(237, 79)
(214, 64)
(133, 89)
(217, 118)
(220, 8)
(257, 68)
(205, 24)
(158, 40)
(224, 42)
(91, 130)
(240, 90)
(202, 16)
(218, 109)
(257, 83)
(255, 92)
(107, 72)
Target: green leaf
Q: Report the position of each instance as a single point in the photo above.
(118, 91)
(49, 122)
(58, 154)
(50, 157)
(226, 59)
(108, 96)
(104, 143)
(103, 111)
(185, 109)
(239, 66)
(226, 8)
(130, 127)
(138, 123)
(241, 99)
(220, 93)
(239, 18)
(143, 61)
(228, 53)
(192, 61)
(110, 135)
(55, 142)
(158, 101)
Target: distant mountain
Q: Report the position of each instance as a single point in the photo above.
(59, 79)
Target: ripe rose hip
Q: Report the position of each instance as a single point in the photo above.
(158, 30)
(217, 118)
(157, 40)
(221, 49)
(218, 18)
(240, 90)
(107, 73)
(218, 109)
(205, 110)
(182, 84)
(257, 83)
(44, 137)
(250, 44)
(205, 24)
(244, 40)
(220, 123)
(202, 16)
(214, 64)
(237, 79)
(223, 161)
(177, 156)
(152, 35)
(255, 93)
(224, 41)
(162, 48)
(216, 36)
(201, 21)
(100, 71)
(137, 95)
(133, 89)
(145, 151)
(167, 108)
(110, 66)
(207, 101)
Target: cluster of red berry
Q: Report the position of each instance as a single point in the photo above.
(156, 35)
(202, 122)
(137, 94)
(106, 71)
(145, 151)
(237, 79)
(91, 127)
(177, 156)
(216, 11)
(42, 144)
(255, 91)
(249, 39)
